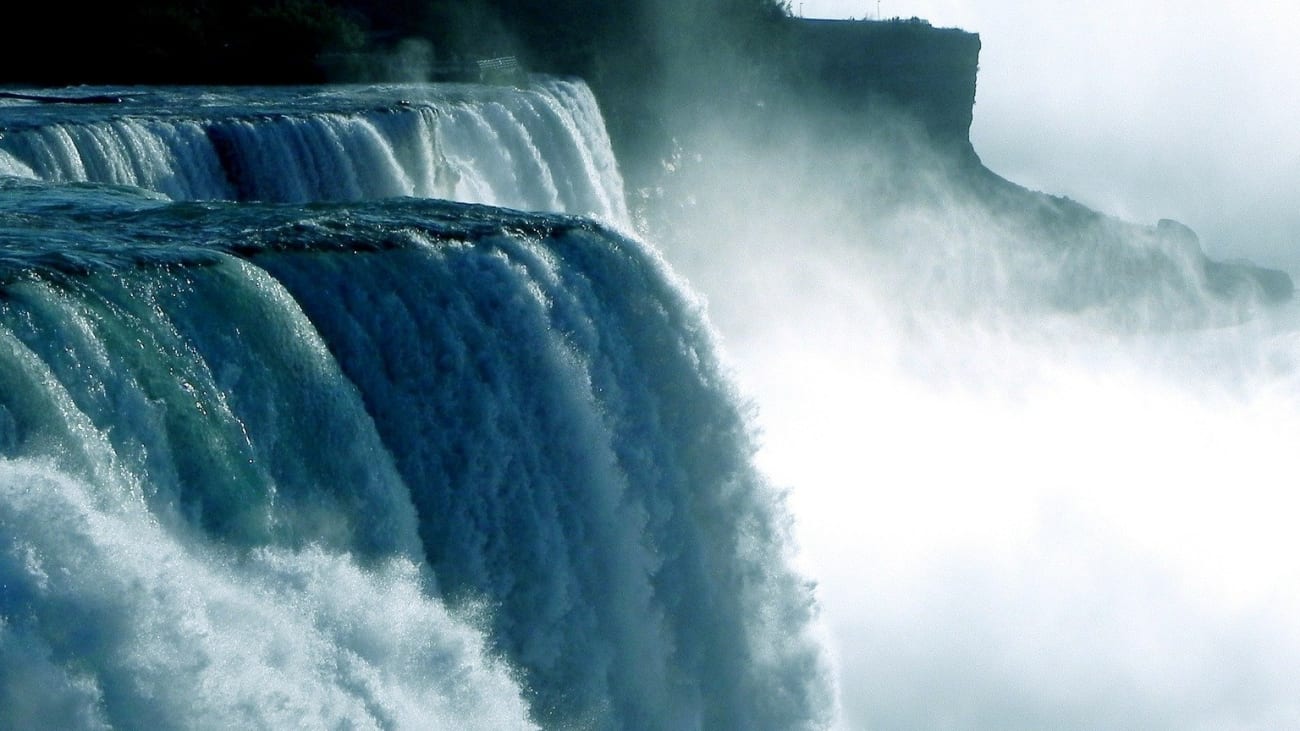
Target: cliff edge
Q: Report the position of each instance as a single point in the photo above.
(860, 68)
(866, 74)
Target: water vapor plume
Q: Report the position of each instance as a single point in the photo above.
(1037, 455)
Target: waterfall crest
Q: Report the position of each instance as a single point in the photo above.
(541, 148)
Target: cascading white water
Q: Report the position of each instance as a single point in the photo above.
(108, 620)
(596, 511)
(543, 148)
(438, 465)
(9, 165)
(188, 499)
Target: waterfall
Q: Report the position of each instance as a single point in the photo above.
(398, 463)
(543, 148)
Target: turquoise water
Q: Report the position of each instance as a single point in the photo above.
(370, 460)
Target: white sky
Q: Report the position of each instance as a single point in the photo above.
(1180, 109)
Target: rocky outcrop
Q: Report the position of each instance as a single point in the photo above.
(907, 66)
(861, 75)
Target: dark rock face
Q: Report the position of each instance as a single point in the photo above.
(860, 67)
(860, 74)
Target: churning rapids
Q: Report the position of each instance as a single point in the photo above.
(273, 460)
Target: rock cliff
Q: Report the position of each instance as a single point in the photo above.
(859, 67)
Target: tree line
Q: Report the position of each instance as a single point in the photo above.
(284, 41)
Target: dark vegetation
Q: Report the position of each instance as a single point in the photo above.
(630, 52)
(170, 42)
(660, 68)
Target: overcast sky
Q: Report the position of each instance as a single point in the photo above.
(1180, 109)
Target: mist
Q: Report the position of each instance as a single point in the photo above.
(1041, 474)
(1154, 110)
